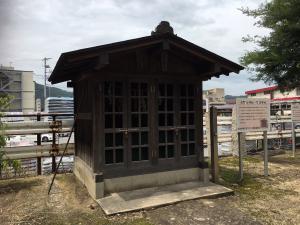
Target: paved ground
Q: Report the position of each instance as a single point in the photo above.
(275, 200)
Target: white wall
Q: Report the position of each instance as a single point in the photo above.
(292, 93)
(260, 95)
(28, 92)
(277, 94)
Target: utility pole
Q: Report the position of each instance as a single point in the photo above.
(49, 88)
(45, 79)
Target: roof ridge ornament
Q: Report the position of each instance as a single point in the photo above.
(162, 28)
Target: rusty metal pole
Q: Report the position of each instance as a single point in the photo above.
(53, 147)
(39, 142)
(59, 162)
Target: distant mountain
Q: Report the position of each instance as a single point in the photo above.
(231, 99)
(54, 92)
(227, 97)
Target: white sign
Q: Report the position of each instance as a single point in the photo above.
(253, 114)
(296, 112)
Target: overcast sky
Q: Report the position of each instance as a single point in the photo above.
(33, 29)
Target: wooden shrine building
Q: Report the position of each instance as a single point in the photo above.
(138, 110)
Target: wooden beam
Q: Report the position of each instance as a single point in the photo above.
(166, 45)
(141, 60)
(84, 76)
(203, 56)
(102, 61)
(164, 61)
(164, 55)
(113, 49)
(84, 116)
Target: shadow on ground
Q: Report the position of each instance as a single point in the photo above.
(16, 185)
(257, 200)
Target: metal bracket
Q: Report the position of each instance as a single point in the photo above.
(56, 125)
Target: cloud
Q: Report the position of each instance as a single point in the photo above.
(32, 30)
(234, 84)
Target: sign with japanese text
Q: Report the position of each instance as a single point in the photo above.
(253, 114)
(296, 112)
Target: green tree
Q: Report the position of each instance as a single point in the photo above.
(6, 163)
(4, 102)
(276, 58)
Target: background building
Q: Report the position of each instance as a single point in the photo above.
(281, 101)
(274, 94)
(215, 96)
(60, 105)
(18, 84)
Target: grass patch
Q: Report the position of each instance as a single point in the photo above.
(234, 161)
(16, 185)
(250, 187)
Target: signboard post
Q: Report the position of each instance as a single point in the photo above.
(295, 118)
(240, 157)
(253, 114)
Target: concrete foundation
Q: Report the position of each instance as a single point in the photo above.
(84, 173)
(154, 179)
(98, 187)
(204, 175)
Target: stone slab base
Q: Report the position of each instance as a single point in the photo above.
(158, 196)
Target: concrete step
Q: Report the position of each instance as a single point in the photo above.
(158, 196)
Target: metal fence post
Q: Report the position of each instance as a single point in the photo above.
(266, 170)
(293, 139)
(53, 147)
(39, 142)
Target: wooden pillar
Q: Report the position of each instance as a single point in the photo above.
(153, 118)
(199, 125)
(98, 134)
(214, 144)
(75, 114)
(207, 131)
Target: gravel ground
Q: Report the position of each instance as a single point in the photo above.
(202, 211)
(257, 200)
